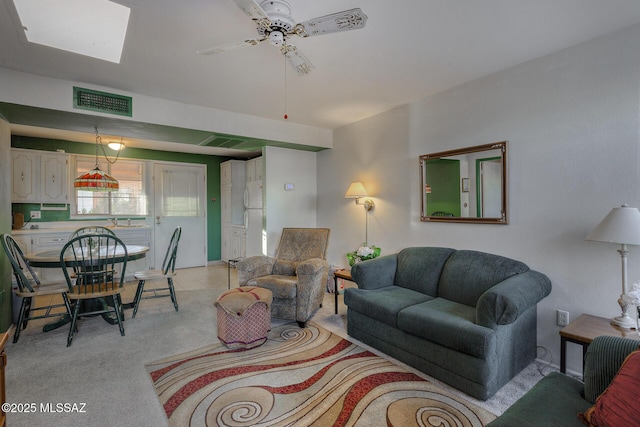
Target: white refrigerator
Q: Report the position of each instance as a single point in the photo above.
(253, 218)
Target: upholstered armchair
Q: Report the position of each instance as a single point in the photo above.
(296, 276)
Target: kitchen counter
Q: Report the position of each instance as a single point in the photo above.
(62, 227)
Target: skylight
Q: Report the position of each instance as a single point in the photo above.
(94, 28)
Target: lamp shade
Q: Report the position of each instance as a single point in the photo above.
(355, 190)
(96, 180)
(621, 225)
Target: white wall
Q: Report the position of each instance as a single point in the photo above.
(572, 122)
(295, 208)
(29, 89)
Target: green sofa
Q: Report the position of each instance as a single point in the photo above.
(464, 317)
(557, 399)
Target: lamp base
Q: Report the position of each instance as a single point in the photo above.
(624, 322)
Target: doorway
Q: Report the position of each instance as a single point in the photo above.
(180, 194)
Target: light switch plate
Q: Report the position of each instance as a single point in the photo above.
(289, 187)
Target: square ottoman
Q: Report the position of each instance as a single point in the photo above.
(244, 316)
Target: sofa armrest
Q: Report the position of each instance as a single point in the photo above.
(504, 302)
(252, 267)
(602, 362)
(375, 273)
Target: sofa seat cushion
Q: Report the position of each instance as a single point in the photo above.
(449, 324)
(282, 287)
(383, 304)
(554, 401)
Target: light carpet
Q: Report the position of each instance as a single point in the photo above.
(302, 377)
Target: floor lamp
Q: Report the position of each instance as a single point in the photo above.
(621, 226)
(356, 191)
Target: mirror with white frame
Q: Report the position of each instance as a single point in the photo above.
(465, 185)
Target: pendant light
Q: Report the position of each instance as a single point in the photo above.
(96, 179)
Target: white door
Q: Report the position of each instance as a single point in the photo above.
(180, 193)
(491, 188)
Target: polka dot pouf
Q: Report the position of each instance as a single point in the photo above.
(244, 316)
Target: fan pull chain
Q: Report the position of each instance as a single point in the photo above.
(285, 116)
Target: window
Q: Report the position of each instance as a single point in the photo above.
(130, 199)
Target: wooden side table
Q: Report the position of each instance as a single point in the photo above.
(584, 329)
(340, 274)
(231, 263)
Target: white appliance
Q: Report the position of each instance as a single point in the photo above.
(253, 218)
(253, 195)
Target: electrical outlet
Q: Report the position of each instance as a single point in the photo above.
(36, 214)
(563, 318)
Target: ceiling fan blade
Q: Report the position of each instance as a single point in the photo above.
(232, 46)
(297, 59)
(346, 20)
(255, 12)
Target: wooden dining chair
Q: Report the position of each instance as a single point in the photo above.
(167, 272)
(93, 257)
(30, 287)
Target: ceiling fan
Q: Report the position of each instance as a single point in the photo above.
(275, 24)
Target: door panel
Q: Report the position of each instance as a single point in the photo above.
(180, 194)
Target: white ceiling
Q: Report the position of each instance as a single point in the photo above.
(408, 50)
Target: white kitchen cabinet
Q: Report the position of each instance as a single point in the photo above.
(24, 166)
(39, 177)
(54, 174)
(254, 169)
(39, 242)
(237, 242)
(232, 185)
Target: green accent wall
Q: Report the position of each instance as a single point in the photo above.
(443, 175)
(213, 180)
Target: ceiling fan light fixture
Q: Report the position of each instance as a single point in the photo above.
(276, 38)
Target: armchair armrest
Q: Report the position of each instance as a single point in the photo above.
(503, 303)
(252, 267)
(310, 266)
(375, 273)
(312, 277)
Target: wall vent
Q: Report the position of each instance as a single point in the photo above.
(103, 102)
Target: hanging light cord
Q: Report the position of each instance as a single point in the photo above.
(285, 87)
(104, 153)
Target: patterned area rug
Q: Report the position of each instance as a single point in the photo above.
(302, 377)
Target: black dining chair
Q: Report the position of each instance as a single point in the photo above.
(167, 272)
(30, 287)
(92, 229)
(93, 258)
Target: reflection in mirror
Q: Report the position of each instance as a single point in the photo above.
(465, 185)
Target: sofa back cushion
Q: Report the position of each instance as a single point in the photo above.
(419, 269)
(468, 274)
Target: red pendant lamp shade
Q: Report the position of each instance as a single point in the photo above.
(96, 180)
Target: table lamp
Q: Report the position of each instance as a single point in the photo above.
(622, 226)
